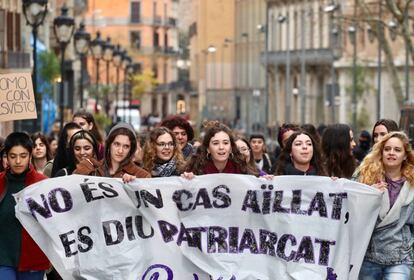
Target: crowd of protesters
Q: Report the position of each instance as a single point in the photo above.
(383, 159)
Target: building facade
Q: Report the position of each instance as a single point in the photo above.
(315, 47)
(148, 31)
(212, 35)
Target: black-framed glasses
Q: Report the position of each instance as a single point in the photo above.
(165, 145)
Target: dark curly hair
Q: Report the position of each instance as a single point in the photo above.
(285, 128)
(285, 158)
(174, 121)
(199, 161)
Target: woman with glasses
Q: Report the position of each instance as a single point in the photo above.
(182, 131)
(300, 156)
(120, 147)
(83, 149)
(162, 154)
(218, 153)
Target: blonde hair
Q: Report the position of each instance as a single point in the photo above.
(372, 170)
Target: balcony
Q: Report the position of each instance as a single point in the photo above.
(157, 20)
(312, 57)
(10, 60)
(171, 22)
(169, 51)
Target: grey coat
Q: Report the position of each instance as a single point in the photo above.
(393, 237)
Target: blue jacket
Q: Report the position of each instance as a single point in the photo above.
(393, 237)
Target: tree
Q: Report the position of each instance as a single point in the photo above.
(49, 70)
(368, 13)
(143, 83)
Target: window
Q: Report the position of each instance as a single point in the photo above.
(155, 70)
(2, 30)
(135, 39)
(156, 39)
(18, 32)
(10, 32)
(135, 12)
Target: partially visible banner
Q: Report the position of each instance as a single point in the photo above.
(17, 99)
(221, 226)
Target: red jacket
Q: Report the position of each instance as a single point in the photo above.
(31, 257)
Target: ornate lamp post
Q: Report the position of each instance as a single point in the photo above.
(126, 60)
(352, 38)
(82, 41)
(97, 52)
(117, 59)
(34, 12)
(63, 27)
(108, 50)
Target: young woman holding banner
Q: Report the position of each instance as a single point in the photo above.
(218, 153)
(120, 147)
(390, 168)
(162, 154)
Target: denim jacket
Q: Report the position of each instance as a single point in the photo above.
(393, 237)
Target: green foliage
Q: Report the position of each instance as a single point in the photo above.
(102, 120)
(50, 69)
(143, 83)
(101, 93)
(363, 119)
(362, 86)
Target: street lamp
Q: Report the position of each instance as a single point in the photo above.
(63, 27)
(82, 41)
(285, 19)
(126, 60)
(34, 12)
(352, 38)
(392, 25)
(117, 58)
(129, 71)
(333, 33)
(108, 50)
(97, 51)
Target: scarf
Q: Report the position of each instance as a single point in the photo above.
(187, 150)
(165, 169)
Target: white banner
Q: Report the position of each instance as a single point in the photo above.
(220, 226)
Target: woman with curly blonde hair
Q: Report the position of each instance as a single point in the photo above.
(162, 154)
(390, 168)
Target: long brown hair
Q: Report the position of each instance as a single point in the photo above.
(199, 161)
(339, 162)
(111, 137)
(150, 150)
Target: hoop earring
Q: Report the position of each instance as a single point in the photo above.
(231, 155)
(208, 156)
